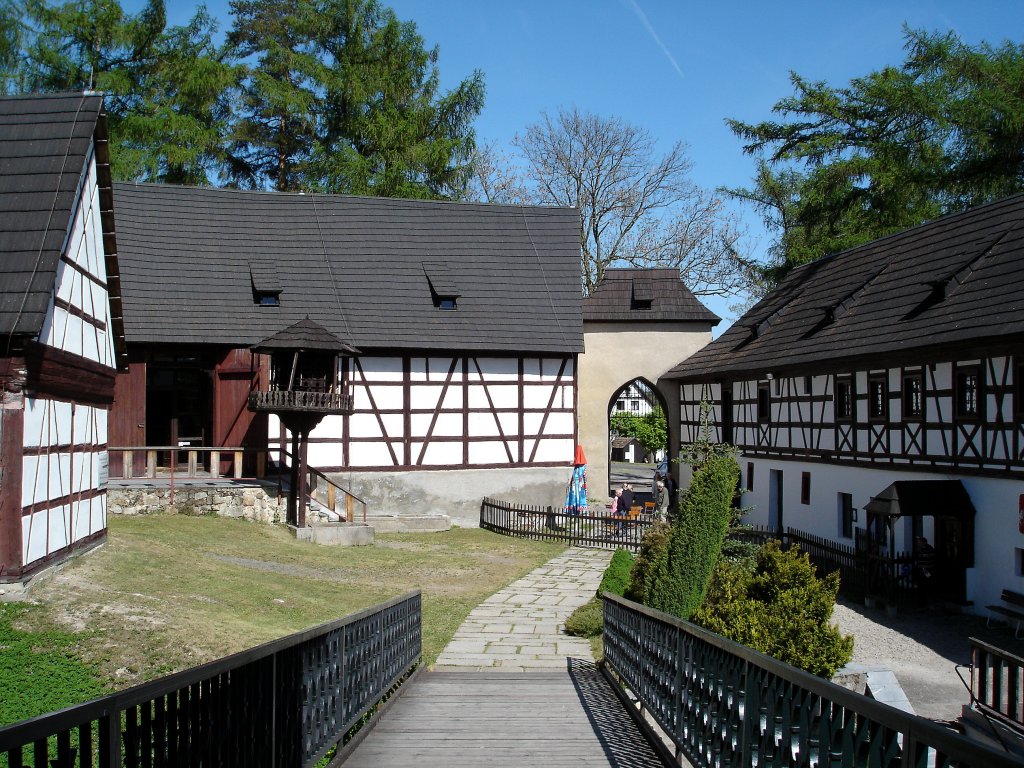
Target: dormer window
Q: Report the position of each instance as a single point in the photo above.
(643, 294)
(444, 290)
(266, 286)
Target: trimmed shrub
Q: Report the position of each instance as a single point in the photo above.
(681, 572)
(654, 542)
(616, 576)
(781, 608)
(587, 620)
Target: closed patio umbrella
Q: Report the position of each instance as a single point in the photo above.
(576, 493)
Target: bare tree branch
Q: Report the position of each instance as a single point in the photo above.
(636, 207)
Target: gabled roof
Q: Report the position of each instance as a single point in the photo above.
(622, 293)
(361, 267)
(46, 142)
(958, 280)
(303, 336)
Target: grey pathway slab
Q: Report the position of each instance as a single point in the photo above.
(523, 626)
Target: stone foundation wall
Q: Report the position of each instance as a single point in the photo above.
(250, 502)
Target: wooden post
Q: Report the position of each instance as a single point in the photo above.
(261, 465)
(12, 426)
(293, 487)
(349, 515)
(193, 463)
(238, 464)
(126, 462)
(214, 463)
(150, 463)
(301, 500)
(330, 497)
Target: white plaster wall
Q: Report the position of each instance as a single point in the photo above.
(55, 426)
(489, 383)
(997, 538)
(616, 354)
(456, 493)
(84, 247)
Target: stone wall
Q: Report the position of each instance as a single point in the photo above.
(251, 502)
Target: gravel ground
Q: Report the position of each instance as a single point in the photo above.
(922, 648)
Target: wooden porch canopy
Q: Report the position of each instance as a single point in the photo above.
(928, 498)
(923, 498)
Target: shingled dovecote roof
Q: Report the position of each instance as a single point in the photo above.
(641, 295)
(956, 281)
(46, 143)
(303, 336)
(361, 267)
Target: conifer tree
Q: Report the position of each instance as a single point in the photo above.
(166, 88)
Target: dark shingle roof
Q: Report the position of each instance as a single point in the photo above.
(304, 335)
(45, 142)
(615, 297)
(353, 264)
(956, 280)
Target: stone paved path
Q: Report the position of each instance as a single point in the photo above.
(521, 627)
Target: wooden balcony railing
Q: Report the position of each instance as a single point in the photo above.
(277, 400)
(186, 462)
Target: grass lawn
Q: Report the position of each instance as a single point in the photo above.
(168, 592)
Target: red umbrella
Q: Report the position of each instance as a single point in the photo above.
(581, 458)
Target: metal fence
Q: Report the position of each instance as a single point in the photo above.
(285, 703)
(557, 524)
(723, 704)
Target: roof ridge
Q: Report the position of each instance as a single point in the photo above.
(376, 199)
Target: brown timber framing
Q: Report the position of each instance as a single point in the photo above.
(469, 365)
(989, 443)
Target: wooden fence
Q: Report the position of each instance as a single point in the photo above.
(723, 704)
(997, 683)
(284, 704)
(558, 524)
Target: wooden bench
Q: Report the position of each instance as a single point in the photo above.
(1012, 610)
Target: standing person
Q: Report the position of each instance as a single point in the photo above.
(672, 487)
(626, 500)
(660, 500)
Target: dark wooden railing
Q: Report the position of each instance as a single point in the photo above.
(997, 683)
(285, 703)
(285, 400)
(556, 524)
(723, 704)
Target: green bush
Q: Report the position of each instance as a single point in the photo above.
(681, 572)
(652, 544)
(616, 576)
(780, 608)
(587, 620)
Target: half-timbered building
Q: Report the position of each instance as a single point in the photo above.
(467, 320)
(877, 395)
(60, 328)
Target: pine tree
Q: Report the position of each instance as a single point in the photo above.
(165, 87)
(277, 112)
(387, 129)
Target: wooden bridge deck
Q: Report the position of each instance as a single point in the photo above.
(550, 718)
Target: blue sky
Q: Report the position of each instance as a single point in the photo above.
(677, 68)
